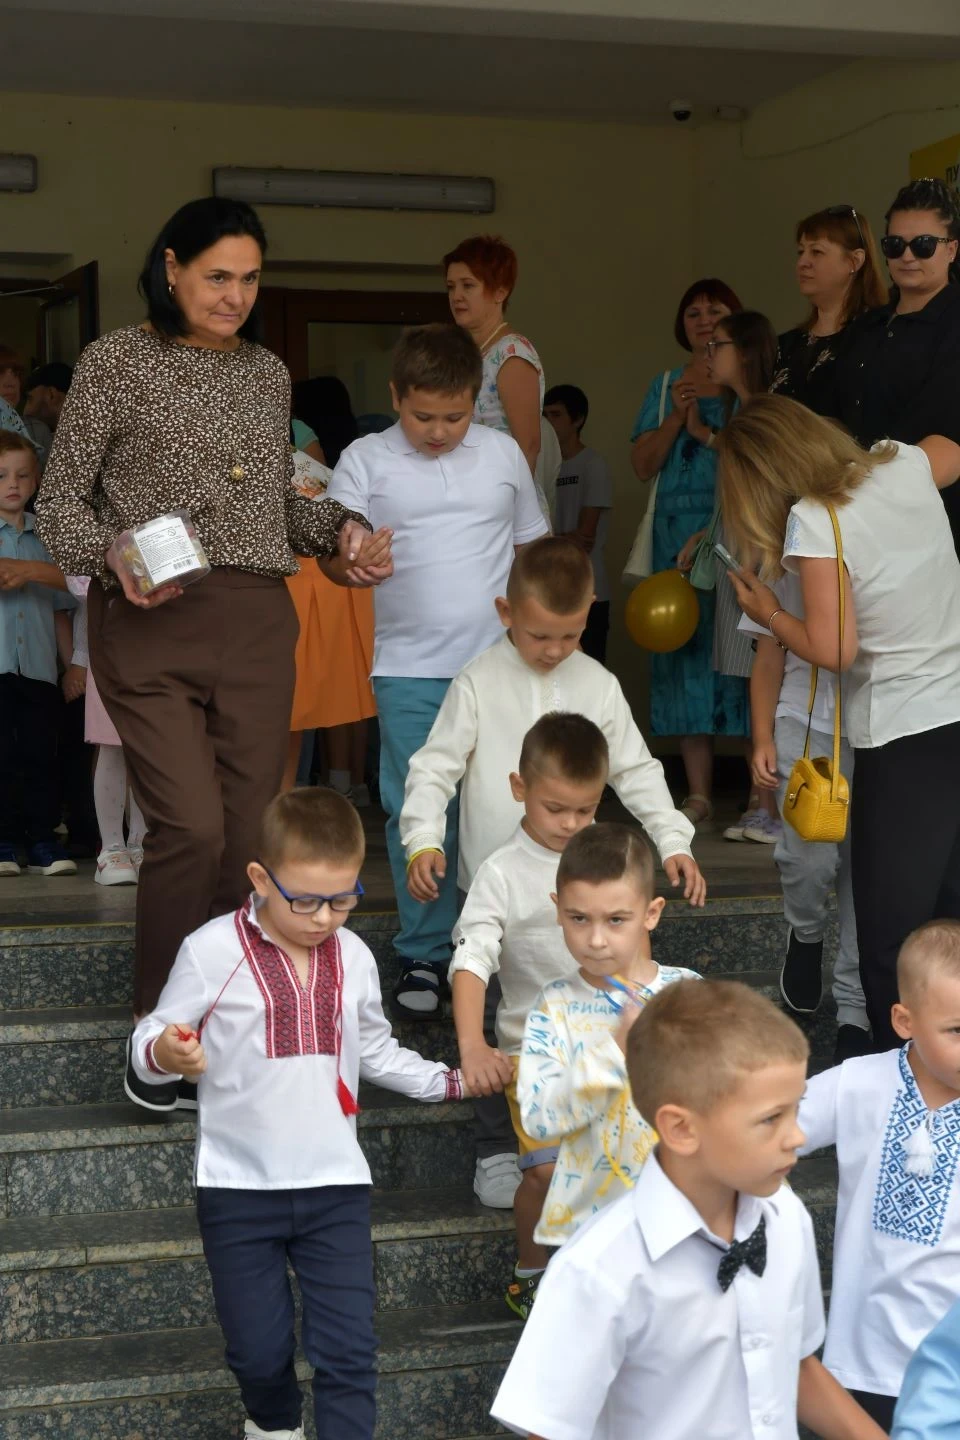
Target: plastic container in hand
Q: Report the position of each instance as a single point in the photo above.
(165, 551)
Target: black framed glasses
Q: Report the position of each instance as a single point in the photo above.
(847, 212)
(310, 904)
(714, 345)
(923, 246)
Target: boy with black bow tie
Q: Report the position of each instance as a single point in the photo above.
(692, 1306)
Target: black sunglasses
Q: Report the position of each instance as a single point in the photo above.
(923, 246)
(844, 212)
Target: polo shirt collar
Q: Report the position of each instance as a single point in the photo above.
(396, 441)
(666, 1217)
(29, 523)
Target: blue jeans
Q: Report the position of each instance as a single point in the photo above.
(407, 710)
(248, 1237)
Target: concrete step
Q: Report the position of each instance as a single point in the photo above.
(439, 1369)
(74, 1276)
(57, 1160)
(67, 965)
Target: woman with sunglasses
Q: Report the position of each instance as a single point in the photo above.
(900, 374)
(838, 273)
(673, 438)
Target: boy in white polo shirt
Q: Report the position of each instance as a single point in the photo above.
(895, 1120)
(691, 1308)
(459, 499)
(508, 929)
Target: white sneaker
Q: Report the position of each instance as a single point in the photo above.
(496, 1181)
(736, 830)
(114, 867)
(251, 1428)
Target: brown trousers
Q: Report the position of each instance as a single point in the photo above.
(200, 691)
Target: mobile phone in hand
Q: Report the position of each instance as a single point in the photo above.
(724, 556)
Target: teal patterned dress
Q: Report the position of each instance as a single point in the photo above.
(687, 696)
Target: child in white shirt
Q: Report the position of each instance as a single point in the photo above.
(535, 668)
(276, 1011)
(692, 1307)
(572, 1083)
(779, 711)
(895, 1120)
(459, 499)
(508, 927)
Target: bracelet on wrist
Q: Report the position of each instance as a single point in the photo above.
(778, 611)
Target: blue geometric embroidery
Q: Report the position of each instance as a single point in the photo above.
(914, 1207)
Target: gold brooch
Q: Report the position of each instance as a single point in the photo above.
(237, 473)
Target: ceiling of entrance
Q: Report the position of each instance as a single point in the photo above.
(580, 59)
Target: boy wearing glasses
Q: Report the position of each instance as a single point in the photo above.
(276, 1011)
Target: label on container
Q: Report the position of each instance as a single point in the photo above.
(167, 549)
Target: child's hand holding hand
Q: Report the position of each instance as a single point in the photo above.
(179, 1055)
(485, 1070)
(763, 765)
(422, 869)
(367, 559)
(74, 682)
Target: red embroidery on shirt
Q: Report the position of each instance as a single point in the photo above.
(299, 1020)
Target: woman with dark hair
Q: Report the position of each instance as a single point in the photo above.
(186, 412)
(673, 438)
(481, 274)
(838, 272)
(899, 377)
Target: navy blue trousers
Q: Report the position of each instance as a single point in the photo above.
(248, 1238)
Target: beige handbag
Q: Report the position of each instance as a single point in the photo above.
(640, 560)
(817, 801)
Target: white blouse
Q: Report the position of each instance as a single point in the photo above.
(905, 576)
(277, 1101)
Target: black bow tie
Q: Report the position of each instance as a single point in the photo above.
(751, 1252)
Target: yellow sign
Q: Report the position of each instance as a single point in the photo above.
(940, 162)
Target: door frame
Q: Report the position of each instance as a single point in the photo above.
(286, 313)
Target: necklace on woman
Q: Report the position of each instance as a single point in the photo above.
(493, 333)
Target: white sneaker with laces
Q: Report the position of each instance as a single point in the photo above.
(736, 830)
(765, 830)
(114, 867)
(496, 1181)
(251, 1428)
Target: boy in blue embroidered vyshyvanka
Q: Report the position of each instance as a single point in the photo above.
(276, 1011)
(895, 1120)
(572, 1084)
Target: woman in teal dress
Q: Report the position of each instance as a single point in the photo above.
(688, 697)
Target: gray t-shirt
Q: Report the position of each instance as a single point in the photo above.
(584, 481)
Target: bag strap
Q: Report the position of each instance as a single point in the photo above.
(664, 387)
(815, 670)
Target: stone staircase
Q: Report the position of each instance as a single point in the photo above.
(106, 1320)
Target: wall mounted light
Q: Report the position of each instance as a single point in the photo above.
(18, 173)
(351, 190)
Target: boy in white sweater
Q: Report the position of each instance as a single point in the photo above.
(535, 668)
(508, 927)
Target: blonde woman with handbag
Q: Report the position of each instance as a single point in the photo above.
(781, 468)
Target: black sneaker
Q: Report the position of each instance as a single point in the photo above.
(48, 857)
(187, 1095)
(801, 983)
(150, 1097)
(523, 1292)
(852, 1042)
(418, 992)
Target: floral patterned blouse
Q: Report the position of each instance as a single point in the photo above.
(489, 408)
(149, 426)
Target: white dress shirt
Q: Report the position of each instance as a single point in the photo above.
(632, 1338)
(455, 520)
(479, 731)
(508, 926)
(896, 1252)
(270, 1112)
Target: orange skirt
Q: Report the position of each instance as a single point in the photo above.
(334, 651)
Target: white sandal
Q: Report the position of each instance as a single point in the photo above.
(697, 809)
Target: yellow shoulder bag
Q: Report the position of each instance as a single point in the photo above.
(817, 802)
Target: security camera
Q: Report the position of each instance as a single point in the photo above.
(681, 110)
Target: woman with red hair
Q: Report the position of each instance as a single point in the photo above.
(481, 274)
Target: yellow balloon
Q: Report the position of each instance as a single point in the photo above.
(662, 612)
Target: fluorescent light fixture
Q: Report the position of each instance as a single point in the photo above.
(18, 172)
(350, 190)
